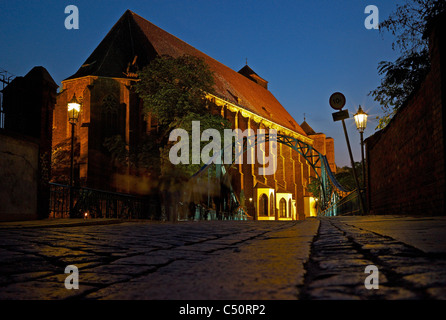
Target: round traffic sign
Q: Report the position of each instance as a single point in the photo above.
(337, 101)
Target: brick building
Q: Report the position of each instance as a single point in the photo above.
(110, 106)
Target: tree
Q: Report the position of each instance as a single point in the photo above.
(314, 187)
(343, 175)
(173, 90)
(346, 179)
(402, 77)
(60, 161)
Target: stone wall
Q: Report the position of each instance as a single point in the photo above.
(406, 167)
(28, 105)
(19, 163)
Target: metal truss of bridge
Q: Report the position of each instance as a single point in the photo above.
(331, 191)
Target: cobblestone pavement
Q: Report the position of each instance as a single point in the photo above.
(191, 260)
(312, 259)
(341, 251)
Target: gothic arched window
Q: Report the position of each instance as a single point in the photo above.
(282, 208)
(263, 205)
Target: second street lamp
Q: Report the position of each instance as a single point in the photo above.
(73, 115)
(361, 124)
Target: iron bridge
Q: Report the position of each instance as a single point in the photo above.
(331, 191)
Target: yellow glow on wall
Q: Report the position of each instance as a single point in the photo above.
(313, 212)
(310, 207)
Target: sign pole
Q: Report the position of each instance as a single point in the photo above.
(337, 102)
(361, 204)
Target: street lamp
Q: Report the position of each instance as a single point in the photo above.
(361, 120)
(361, 124)
(73, 109)
(73, 115)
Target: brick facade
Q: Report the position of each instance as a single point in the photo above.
(108, 108)
(242, 98)
(406, 163)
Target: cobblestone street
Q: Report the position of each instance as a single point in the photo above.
(212, 260)
(341, 251)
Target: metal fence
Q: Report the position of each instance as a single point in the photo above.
(92, 203)
(349, 205)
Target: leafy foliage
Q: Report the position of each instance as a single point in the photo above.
(60, 161)
(173, 90)
(402, 77)
(207, 121)
(143, 156)
(343, 175)
(314, 187)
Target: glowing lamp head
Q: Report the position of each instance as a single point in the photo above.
(361, 119)
(73, 109)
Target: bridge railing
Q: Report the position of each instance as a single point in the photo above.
(99, 204)
(348, 205)
(105, 204)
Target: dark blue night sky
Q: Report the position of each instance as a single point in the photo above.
(305, 49)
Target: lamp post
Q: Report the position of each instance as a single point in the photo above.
(337, 102)
(361, 123)
(73, 115)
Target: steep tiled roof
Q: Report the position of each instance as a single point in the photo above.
(135, 37)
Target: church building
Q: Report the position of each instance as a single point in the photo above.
(110, 106)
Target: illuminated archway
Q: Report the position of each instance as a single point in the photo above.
(263, 205)
(282, 208)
